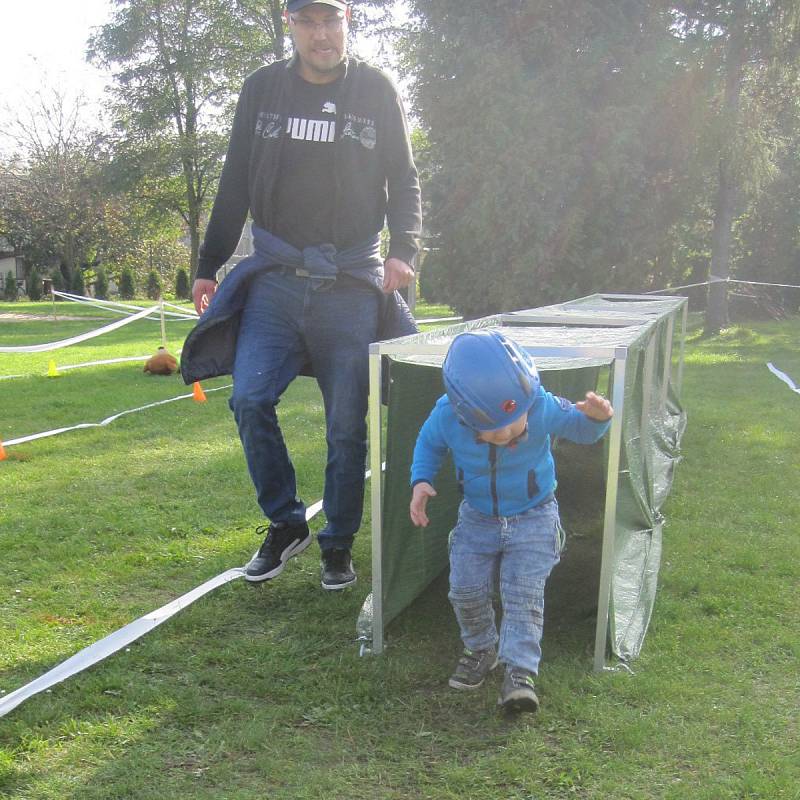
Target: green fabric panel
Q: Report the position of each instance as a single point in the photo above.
(412, 557)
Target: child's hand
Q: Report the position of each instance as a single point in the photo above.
(419, 502)
(595, 407)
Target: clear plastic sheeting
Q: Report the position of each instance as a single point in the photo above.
(611, 494)
(364, 625)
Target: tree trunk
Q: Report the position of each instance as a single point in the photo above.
(724, 212)
(276, 10)
(194, 242)
(726, 200)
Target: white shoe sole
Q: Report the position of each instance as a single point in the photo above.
(519, 701)
(333, 587)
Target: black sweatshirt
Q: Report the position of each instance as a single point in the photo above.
(375, 180)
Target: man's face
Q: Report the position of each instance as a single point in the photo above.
(320, 33)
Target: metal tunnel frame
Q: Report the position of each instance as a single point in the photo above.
(641, 323)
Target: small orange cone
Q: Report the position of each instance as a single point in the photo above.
(197, 393)
(3, 454)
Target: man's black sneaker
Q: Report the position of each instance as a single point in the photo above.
(517, 692)
(282, 543)
(337, 569)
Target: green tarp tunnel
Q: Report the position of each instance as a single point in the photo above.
(622, 344)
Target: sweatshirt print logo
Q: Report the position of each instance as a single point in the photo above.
(311, 130)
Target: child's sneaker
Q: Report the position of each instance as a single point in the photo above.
(517, 693)
(472, 668)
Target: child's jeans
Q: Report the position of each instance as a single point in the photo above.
(525, 548)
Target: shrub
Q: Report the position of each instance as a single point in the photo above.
(153, 285)
(182, 288)
(127, 285)
(101, 284)
(35, 286)
(78, 284)
(10, 287)
(58, 282)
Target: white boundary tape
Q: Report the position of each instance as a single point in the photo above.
(102, 305)
(43, 348)
(107, 420)
(716, 279)
(192, 314)
(67, 367)
(123, 308)
(114, 642)
(102, 363)
(783, 376)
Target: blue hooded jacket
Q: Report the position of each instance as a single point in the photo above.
(502, 481)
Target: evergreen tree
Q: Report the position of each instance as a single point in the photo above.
(10, 287)
(548, 166)
(35, 286)
(127, 284)
(743, 52)
(591, 146)
(78, 285)
(101, 284)
(182, 289)
(153, 285)
(57, 281)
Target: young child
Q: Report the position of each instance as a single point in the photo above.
(496, 419)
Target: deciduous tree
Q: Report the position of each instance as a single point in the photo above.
(51, 208)
(177, 67)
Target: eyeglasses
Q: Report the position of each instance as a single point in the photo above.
(328, 25)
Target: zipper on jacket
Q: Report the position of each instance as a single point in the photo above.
(533, 486)
(493, 479)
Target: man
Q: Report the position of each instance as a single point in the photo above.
(320, 156)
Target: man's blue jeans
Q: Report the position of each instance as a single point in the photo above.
(523, 550)
(287, 322)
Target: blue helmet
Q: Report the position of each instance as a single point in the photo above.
(490, 380)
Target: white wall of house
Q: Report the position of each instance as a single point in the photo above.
(13, 265)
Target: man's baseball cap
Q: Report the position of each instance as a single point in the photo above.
(296, 5)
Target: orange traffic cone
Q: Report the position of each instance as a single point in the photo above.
(3, 454)
(197, 393)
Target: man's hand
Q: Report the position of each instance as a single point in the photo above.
(419, 502)
(202, 291)
(595, 407)
(396, 275)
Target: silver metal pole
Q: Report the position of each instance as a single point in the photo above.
(376, 485)
(667, 376)
(610, 522)
(682, 347)
(163, 326)
(647, 389)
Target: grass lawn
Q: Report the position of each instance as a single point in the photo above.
(259, 691)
